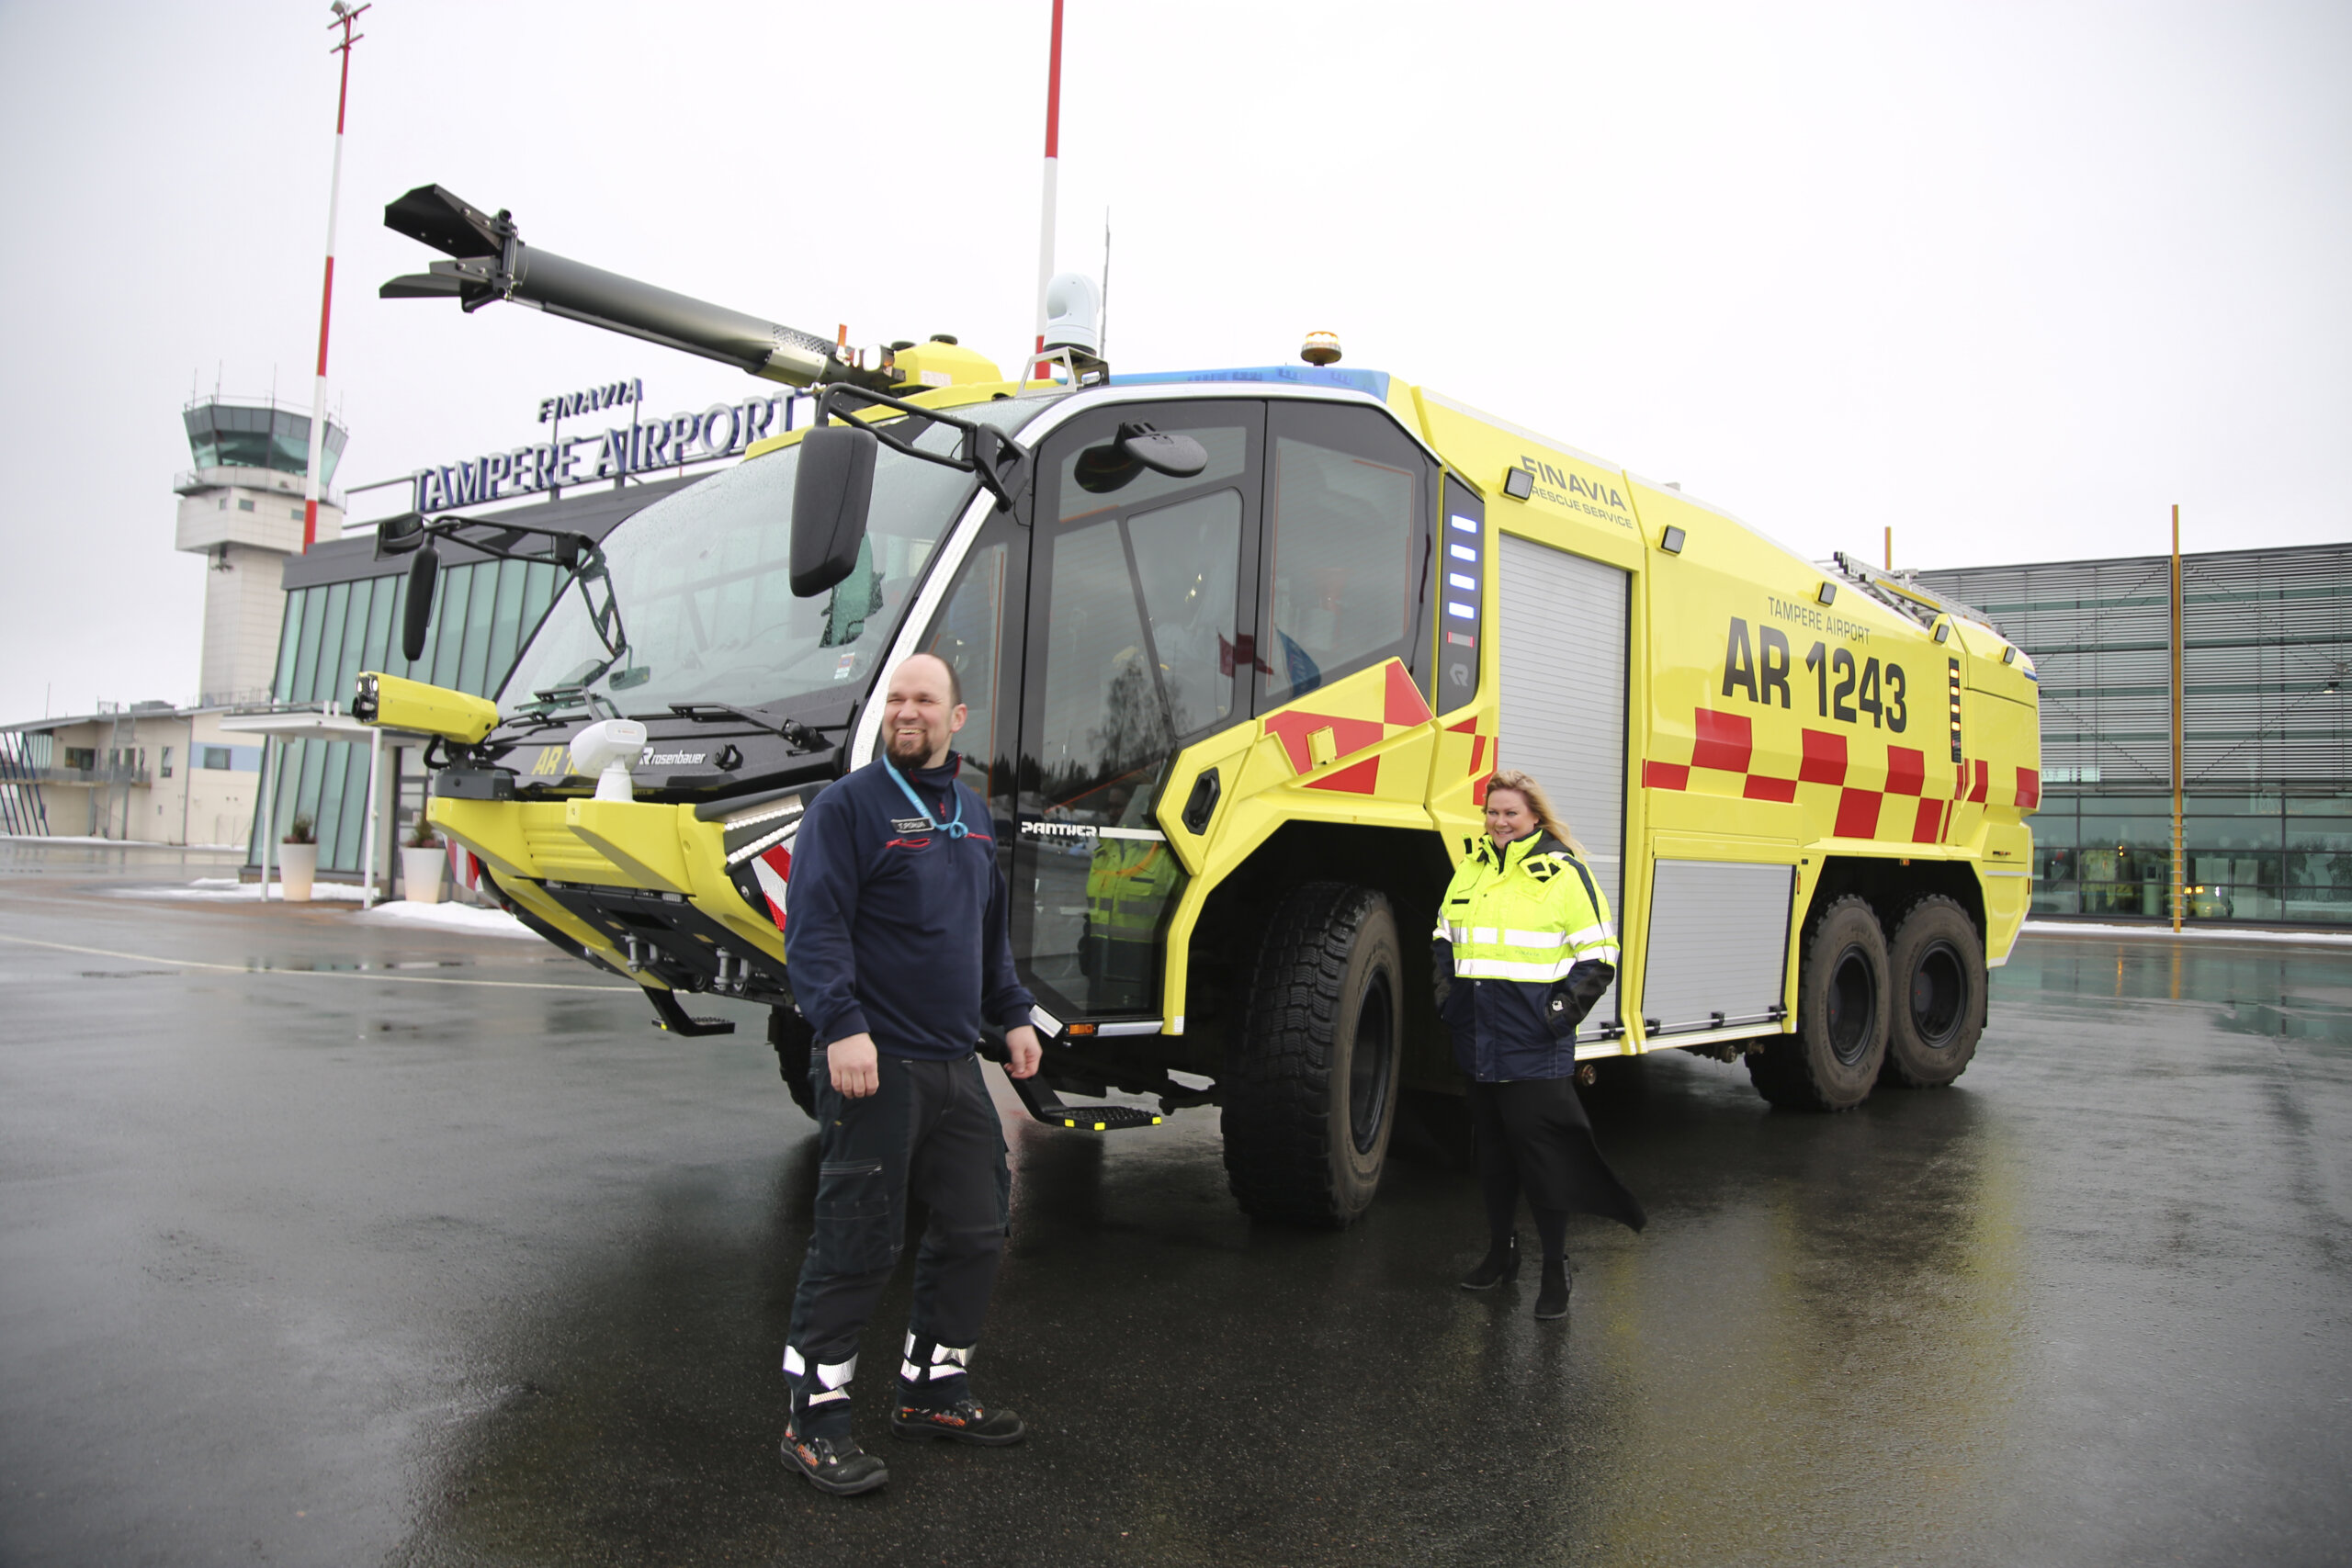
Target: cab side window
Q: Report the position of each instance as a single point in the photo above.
(1346, 549)
(968, 636)
(1137, 629)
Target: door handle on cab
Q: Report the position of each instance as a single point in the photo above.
(1202, 803)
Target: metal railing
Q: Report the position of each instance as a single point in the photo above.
(102, 778)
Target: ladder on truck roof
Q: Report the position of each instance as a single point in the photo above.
(1900, 590)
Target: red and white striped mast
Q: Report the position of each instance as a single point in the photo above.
(1039, 370)
(344, 15)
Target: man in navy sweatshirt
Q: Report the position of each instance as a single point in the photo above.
(897, 944)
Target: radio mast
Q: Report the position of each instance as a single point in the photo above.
(1038, 369)
(344, 15)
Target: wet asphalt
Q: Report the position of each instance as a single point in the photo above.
(326, 1242)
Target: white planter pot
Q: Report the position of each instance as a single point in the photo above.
(421, 871)
(298, 867)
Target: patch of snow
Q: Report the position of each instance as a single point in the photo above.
(2207, 933)
(448, 917)
(91, 842)
(228, 887)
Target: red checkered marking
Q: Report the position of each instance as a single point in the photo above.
(2030, 788)
(1825, 758)
(1858, 813)
(1479, 747)
(1726, 743)
(1907, 770)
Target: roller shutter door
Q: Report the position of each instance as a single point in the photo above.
(1718, 946)
(1563, 656)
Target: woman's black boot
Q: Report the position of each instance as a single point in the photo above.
(1551, 1299)
(1500, 1267)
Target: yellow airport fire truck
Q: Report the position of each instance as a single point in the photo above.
(1241, 650)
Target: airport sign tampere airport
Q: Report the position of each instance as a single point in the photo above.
(722, 430)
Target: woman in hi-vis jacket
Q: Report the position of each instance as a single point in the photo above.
(1523, 950)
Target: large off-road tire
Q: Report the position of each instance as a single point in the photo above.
(1311, 1082)
(1937, 963)
(794, 1045)
(1843, 1000)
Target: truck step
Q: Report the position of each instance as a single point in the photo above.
(1048, 1107)
(673, 1018)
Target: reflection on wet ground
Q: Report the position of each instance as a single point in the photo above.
(320, 1268)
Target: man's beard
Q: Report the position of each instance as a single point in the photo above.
(909, 748)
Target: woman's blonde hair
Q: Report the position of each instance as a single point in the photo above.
(1527, 789)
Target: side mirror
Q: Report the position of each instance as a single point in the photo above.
(1115, 464)
(417, 619)
(830, 496)
(1164, 452)
(398, 536)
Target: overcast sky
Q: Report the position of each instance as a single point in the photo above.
(2013, 279)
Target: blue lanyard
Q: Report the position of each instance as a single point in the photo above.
(955, 829)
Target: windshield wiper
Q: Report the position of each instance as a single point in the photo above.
(996, 459)
(580, 556)
(547, 709)
(798, 736)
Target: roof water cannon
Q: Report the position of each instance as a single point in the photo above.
(489, 263)
(609, 749)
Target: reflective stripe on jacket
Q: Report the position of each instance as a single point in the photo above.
(1522, 949)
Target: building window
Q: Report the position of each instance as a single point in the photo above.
(216, 759)
(167, 762)
(244, 506)
(297, 515)
(82, 759)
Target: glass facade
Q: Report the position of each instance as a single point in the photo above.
(333, 630)
(344, 610)
(2266, 728)
(2252, 857)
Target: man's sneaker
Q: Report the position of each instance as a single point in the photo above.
(835, 1465)
(964, 1421)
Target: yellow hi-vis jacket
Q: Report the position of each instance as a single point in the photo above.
(1128, 885)
(1522, 949)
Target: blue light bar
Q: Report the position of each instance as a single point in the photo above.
(1462, 552)
(1373, 383)
(1468, 525)
(1467, 611)
(1467, 584)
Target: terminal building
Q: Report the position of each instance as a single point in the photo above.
(166, 772)
(2266, 758)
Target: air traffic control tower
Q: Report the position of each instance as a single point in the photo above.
(240, 507)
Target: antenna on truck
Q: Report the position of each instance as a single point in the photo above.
(489, 263)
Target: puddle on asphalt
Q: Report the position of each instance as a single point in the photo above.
(2278, 993)
(2297, 1019)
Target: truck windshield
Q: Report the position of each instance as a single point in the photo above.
(703, 582)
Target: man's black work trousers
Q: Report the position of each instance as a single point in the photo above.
(930, 1134)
